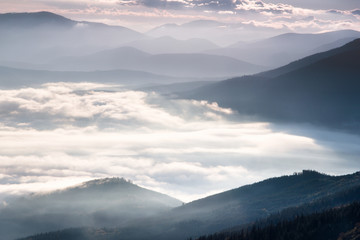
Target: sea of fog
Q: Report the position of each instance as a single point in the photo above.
(61, 134)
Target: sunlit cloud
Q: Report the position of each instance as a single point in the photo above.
(149, 13)
(61, 134)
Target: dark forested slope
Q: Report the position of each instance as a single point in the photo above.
(337, 223)
(241, 206)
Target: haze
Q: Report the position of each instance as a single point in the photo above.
(82, 100)
(60, 134)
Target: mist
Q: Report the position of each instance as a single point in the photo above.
(73, 132)
(151, 131)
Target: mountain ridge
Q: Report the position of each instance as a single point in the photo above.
(352, 45)
(51, 36)
(282, 49)
(221, 211)
(98, 203)
(45, 18)
(191, 65)
(34, 19)
(318, 90)
(14, 77)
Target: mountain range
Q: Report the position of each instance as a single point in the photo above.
(53, 36)
(175, 65)
(321, 89)
(301, 193)
(59, 43)
(167, 44)
(221, 33)
(42, 36)
(14, 77)
(282, 49)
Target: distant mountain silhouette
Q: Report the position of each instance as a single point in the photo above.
(285, 48)
(350, 46)
(13, 77)
(221, 33)
(203, 23)
(33, 20)
(176, 65)
(321, 89)
(40, 36)
(98, 203)
(335, 44)
(46, 19)
(299, 39)
(173, 88)
(117, 58)
(168, 44)
(161, 30)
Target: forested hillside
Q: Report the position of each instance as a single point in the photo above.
(337, 223)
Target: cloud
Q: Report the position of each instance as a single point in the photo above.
(219, 6)
(182, 4)
(161, 4)
(259, 6)
(144, 15)
(265, 13)
(61, 134)
(328, 4)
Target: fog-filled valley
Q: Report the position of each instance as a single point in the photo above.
(181, 131)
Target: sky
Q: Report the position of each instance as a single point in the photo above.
(61, 134)
(143, 15)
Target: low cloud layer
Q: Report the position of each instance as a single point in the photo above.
(65, 133)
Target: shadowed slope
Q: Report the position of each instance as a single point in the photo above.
(321, 89)
(98, 203)
(230, 208)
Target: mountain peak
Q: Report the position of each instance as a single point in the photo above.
(311, 173)
(105, 181)
(44, 14)
(34, 19)
(202, 23)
